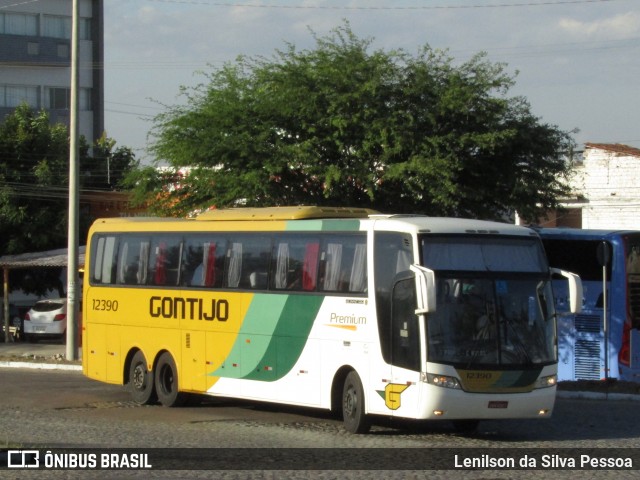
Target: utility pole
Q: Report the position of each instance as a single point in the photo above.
(74, 185)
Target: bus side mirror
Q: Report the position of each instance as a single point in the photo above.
(575, 289)
(426, 289)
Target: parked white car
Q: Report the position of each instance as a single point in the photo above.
(47, 318)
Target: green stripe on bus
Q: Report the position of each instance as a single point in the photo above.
(252, 341)
(271, 338)
(289, 338)
(324, 225)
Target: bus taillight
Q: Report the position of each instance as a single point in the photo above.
(624, 357)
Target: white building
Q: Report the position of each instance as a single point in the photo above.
(605, 190)
(35, 60)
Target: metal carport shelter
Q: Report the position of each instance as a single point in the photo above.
(48, 259)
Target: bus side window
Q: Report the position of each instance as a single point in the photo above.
(234, 265)
(343, 264)
(192, 264)
(207, 271)
(203, 261)
(104, 260)
(246, 254)
(295, 263)
(332, 259)
(164, 264)
(358, 277)
(133, 261)
(310, 266)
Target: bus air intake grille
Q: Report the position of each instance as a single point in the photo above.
(587, 324)
(587, 347)
(587, 366)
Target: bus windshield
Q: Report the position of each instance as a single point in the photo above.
(494, 303)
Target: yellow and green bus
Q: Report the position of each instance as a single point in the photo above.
(346, 309)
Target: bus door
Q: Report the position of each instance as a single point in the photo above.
(410, 301)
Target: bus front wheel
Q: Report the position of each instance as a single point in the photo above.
(141, 383)
(353, 416)
(166, 381)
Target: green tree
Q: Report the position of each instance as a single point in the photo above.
(344, 125)
(33, 166)
(34, 179)
(108, 165)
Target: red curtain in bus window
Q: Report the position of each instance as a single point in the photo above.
(160, 277)
(310, 266)
(210, 272)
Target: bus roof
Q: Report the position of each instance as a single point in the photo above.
(450, 225)
(585, 233)
(284, 213)
(266, 219)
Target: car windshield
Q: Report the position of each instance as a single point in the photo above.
(494, 303)
(48, 306)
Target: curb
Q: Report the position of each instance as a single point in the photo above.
(597, 395)
(40, 366)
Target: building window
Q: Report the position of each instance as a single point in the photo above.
(56, 27)
(84, 99)
(13, 95)
(63, 50)
(33, 48)
(84, 29)
(56, 98)
(53, 26)
(18, 24)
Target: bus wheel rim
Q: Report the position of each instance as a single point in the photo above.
(350, 402)
(139, 377)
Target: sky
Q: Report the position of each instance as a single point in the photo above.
(577, 62)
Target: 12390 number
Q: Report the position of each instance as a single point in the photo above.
(105, 305)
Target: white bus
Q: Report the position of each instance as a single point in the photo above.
(366, 314)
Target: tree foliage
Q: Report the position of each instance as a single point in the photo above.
(34, 184)
(344, 125)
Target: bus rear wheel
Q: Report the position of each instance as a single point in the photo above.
(353, 416)
(141, 382)
(166, 382)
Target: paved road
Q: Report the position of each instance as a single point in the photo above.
(53, 409)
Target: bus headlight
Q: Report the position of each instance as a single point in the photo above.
(443, 381)
(546, 382)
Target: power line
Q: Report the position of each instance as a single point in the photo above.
(123, 112)
(544, 3)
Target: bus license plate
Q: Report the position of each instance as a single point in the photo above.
(498, 404)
